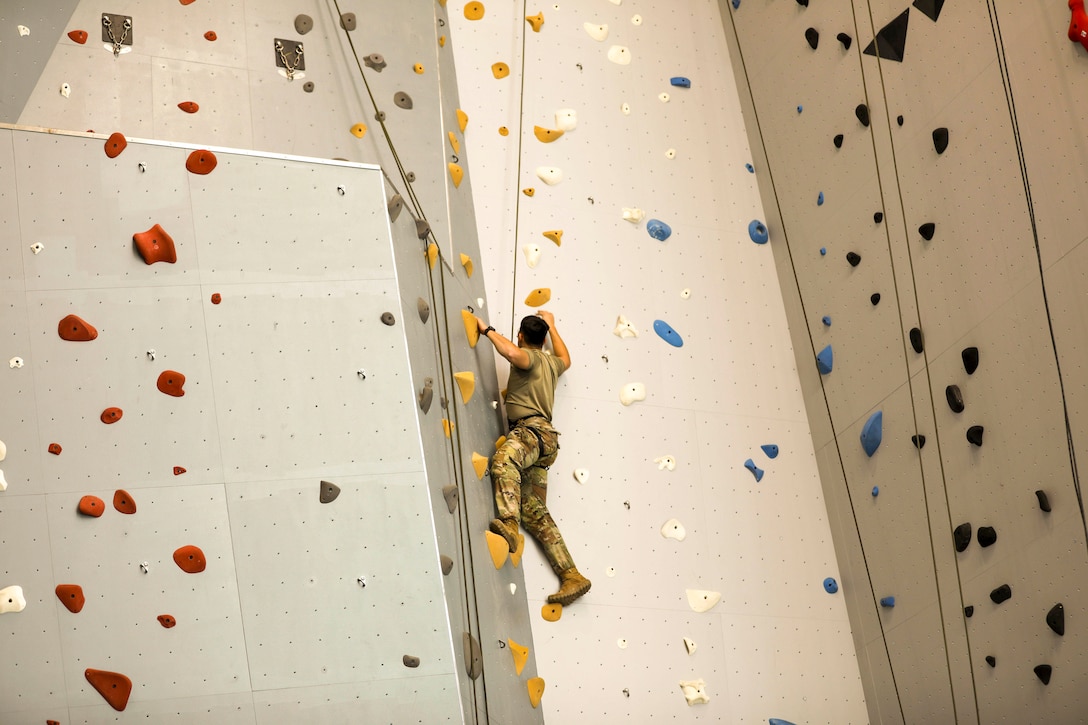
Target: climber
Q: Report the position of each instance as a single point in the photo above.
(519, 469)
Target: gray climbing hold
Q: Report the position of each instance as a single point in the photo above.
(394, 206)
(987, 536)
(974, 434)
(680, 82)
(770, 449)
(426, 395)
(303, 24)
(666, 333)
(940, 139)
(853, 258)
(830, 585)
(308, 86)
(380, 116)
(813, 37)
(919, 441)
(446, 563)
(758, 232)
(991, 660)
(954, 397)
(970, 359)
(1043, 672)
(887, 602)
(927, 231)
(402, 100)
(424, 309)
(837, 141)
(756, 470)
(329, 492)
(1044, 501)
(825, 360)
(962, 536)
(423, 228)
(375, 62)
(474, 656)
(916, 340)
(872, 433)
(388, 319)
(1001, 594)
(658, 229)
(862, 112)
(969, 611)
(410, 176)
(348, 22)
(845, 39)
(452, 496)
(1055, 619)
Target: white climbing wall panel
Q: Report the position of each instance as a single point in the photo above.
(777, 645)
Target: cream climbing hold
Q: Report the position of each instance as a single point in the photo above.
(610, 572)
(532, 254)
(670, 153)
(65, 90)
(597, 32)
(500, 70)
(520, 654)
(632, 393)
(466, 262)
(432, 253)
(685, 293)
(673, 529)
(664, 97)
(538, 297)
(581, 475)
(15, 362)
(549, 175)
(546, 135)
(37, 247)
(535, 21)
(536, 691)
(462, 120)
(619, 55)
(702, 600)
(455, 144)
(633, 214)
(695, 692)
(624, 328)
(566, 119)
(690, 646)
(472, 330)
(3, 482)
(498, 548)
(636, 20)
(664, 462)
(12, 599)
(556, 235)
(621, 643)
(456, 174)
(358, 130)
(23, 31)
(3, 450)
(474, 11)
(466, 383)
(479, 464)
(513, 588)
(625, 109)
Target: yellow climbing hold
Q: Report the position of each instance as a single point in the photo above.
(551, 612)
(556, 235)
(501, 439)
(528, 192)
(498, 548)
(441, 41)
(520, 653)
(515, 556)
(454, 143)
(466, 383)
(536, 691)
(500, 70)
(358, 130)
(442, 3)
(432, 253)
(474, 11)
(447, 427)
(535, 21)
(538, 297)
(504, 131)
(546, 135)
(466, 262)
(472, 330)
(418, 68)
(456, 173)
(462, 120)
(479, 464)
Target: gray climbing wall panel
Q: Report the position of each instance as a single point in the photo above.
(1000, 271)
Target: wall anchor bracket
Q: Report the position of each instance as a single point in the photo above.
(289, 58)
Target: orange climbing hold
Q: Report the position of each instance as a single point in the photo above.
(210, 35)
(190, 559)
(187, 2)
(171, 382)
(462, 120)
(216, 298)
(71, 596)
(201, 162)
(520, 653)
(166, 620)
(538, 297)
(500, 70)
(122, 501)
(529, 191)
(76, 329)
(178, 470)
(111, 415)
(189, 106)
(551, 612)
(556, 235)
(474, 11)
(78, 36)
(546, 135)
(114, 687)
(536, 691)
(91, 506)
(535, 21)
(54, 448)
(456, 174)
(155, 245)
(504, 131)
(115, 144)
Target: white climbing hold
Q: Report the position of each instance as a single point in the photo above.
(670, 154)
(616, 2)
(3, 482)
(23, 31)
(626, 109)
(37, 247)
(549, 175)
(673, 529)
(610, 571)
(624, 328)
(581, 475)
(480, 302)
(513, 588)
(619, 55)
(702, 600)
(632, 393)
(621, 643)
(695, 692)
(3, 450)
(690, 646)
(65, 90)
(597, 32)
(532, 254)
(685, 293)
(566, 119)
(633, 214)
(664, 462)
(15, 362)
(12, 599)
(636, 20)
(663, 97)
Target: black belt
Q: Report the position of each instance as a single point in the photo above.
(535, 432)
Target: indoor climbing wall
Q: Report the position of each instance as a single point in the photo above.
(611, 183)
(919, 165)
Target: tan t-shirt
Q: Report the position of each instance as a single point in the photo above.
(532, 391)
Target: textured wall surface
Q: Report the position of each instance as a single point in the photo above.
(998, 270)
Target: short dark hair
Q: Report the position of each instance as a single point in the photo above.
(534, 329)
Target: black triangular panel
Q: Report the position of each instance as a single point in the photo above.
(931, 8)
(891, 41)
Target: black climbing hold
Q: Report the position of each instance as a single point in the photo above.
(916, 340)
(899, 120)
(986, 536)
(875, 298)
(1044, 501)
(853, 258)
(813, 37)
(991, 660)
(968, 611)
(940, 139)
(308, 86)
(1001, 594)
(1043, 672)
(919, 441)
(862, 112)
(394, 206)
(452, 496)
(927, 230)
(402, 100)
(974, 434)
(423, 228)
(1055, 619)
(446, 563)
(845, 39)
(388, 319)
(970, 359)
(954, 397)
(410, 661)
(891, 40)
(329, 492)
(962, 536)
(878, 217)
(348, 22)
(930, 8)
(803, 3)
(837, 141)
(424, 309)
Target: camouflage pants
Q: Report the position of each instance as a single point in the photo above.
(519, 471)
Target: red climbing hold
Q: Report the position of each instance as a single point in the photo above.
(201, 162)
(210, 35)
(166, 620)
(76, 329)
(78, 36)
(54, 448)
(189, 106)
(52, 722)
(187, 2)
(216, 298)
(112, 686)
(1078, 26)
(115, 144)
(178, 470)
(71, 596)
(91, 506)
(171, 382)
(122, 501)
(190, 559)
(111, 415)
(155, 245)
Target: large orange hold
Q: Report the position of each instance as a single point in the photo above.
(201, 162)
(190, 559)
(91, 506)
(122, 501)
(114, 687)
(55, 449)
(71, 596)
(111, 415)
(155, 245)
(171, 382)
(115, 144)
(189, 106)
(76, 329)
(78, 36)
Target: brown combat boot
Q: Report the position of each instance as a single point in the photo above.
(572, 585)
(507, 529)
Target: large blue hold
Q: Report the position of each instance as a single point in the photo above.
(680, 82)
(872, 433)
(888, 602)
(830, 585)
(658, 229)
(776, 721)
(771, 450)
(756, 470)
(825, 360)
(666, 333)
(758, 232)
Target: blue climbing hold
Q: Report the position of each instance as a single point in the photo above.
(758, 232)
(820, 199)
(658, 229)
(876, 491)
(751, 169)
(666, 333)
(823, 251)
(800, 108)
(776, 721)
(887, 602)
(872, 433)
(756, 470)
(825, 360)
(771, 450)
(680, 82)
(736, 4)
(830, 585)
(826, 320)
